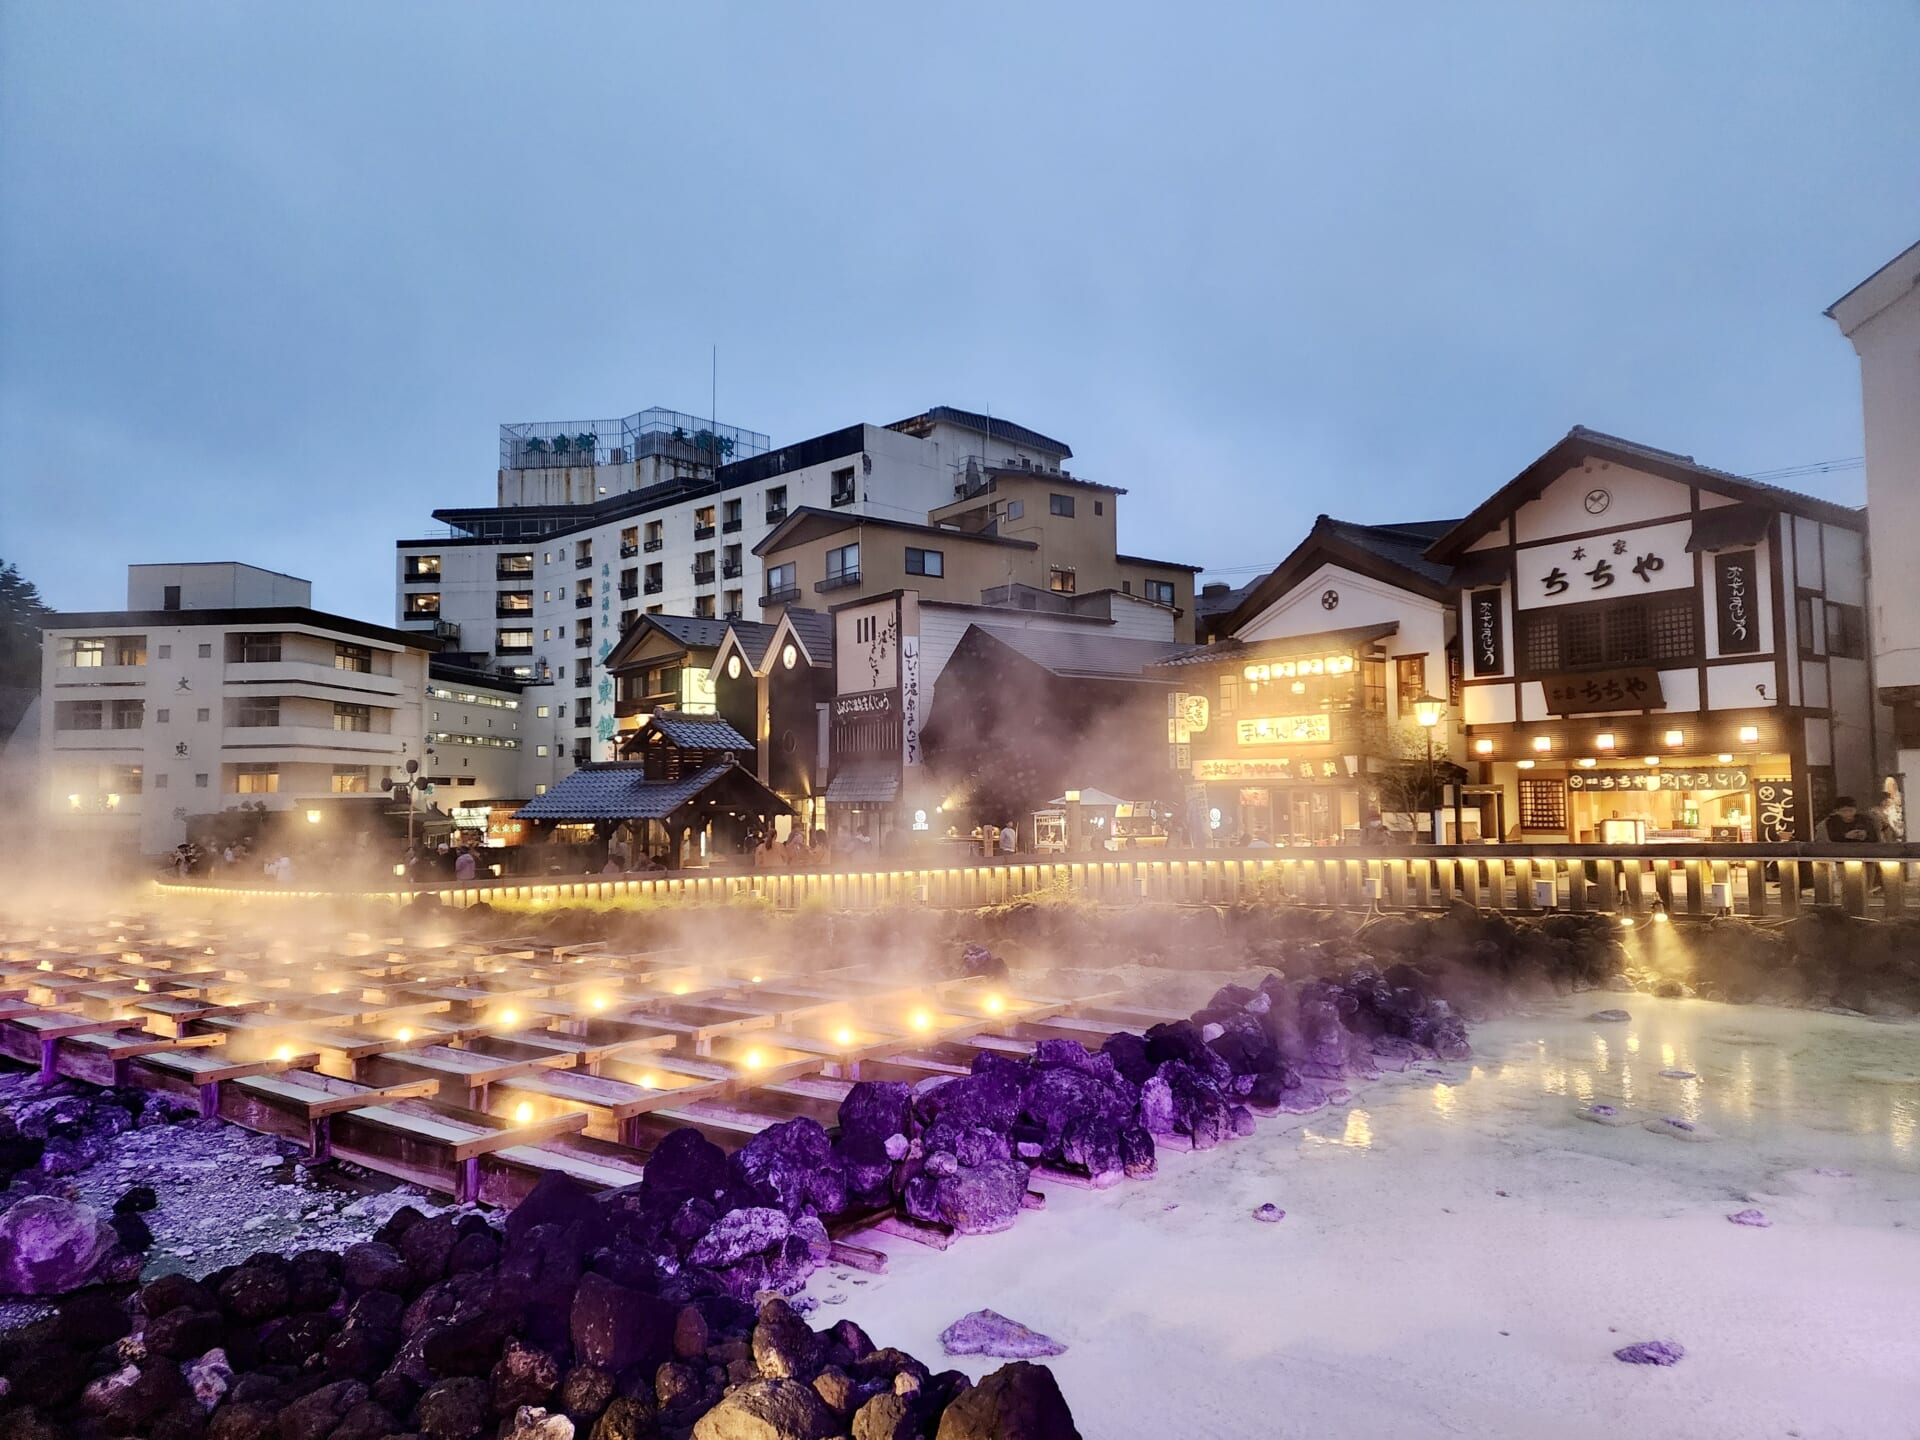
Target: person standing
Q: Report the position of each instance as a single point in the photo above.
(1009, 838)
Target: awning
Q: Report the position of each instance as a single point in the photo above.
(864, 782)
(1726, 525)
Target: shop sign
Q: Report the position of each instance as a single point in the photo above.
(1774, 810)
(867, 702)
(910, 699)
(1605, 567)
(696, 691)
(1286, 730)
(1288, 769)
(1488, 632)
(1600, 691)
(1290, 669)
(1718, 778)
(1735, 602)
(1187, 716)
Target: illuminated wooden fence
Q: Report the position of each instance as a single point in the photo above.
(1681, 880)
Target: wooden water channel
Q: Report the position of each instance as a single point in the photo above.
(474, 1068)
(1683, 879)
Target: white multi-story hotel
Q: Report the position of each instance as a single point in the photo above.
(219, 685)
(597, 523)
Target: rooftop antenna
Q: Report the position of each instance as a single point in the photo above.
(713, 408)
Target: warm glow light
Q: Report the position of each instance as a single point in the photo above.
(403, 1034)
(920, 1020)
(1483, 747)
(1543, 743)
(1626, 921)
(284, 1053)
(681, 988)
(1650, 759)
(647, 1081)
(1722, 760)
(1603, 741)
(1676, 737)
(1427, 710)
(994, 1004)
(400, 870)
(46, 964)
(509, 1017)
(756, 979)
(1523, 764)
(789, 657)
(1587, 762)
(598, 1002)
(843, 1036)
(313, 817)
(141, 986)
(1749, 734)
(522, 1113)
(754, 1059)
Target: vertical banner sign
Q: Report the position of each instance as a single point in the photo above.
(1735, 605)
(1488, 635)
(910, 699)
(1773, 819)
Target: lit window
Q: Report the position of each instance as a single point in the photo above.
(254, 779)
(356, 718)
(1061, 580)
(356, 658)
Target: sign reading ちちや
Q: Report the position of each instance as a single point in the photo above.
(1603, 691)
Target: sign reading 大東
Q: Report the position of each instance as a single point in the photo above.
(1603, 691)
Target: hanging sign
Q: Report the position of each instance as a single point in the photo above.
(1488, 633)
(1601, 691)
(1735, 598)
(1774, 810)
(910, 699)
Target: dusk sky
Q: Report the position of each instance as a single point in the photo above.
(271, 276)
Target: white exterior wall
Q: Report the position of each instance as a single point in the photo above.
(186, 745)
(216, 585)
(469, 727)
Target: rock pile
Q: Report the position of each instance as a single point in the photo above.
(563, 1324)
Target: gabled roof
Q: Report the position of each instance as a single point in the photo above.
(1077, 654)
(697, 732)
(1394, 554)
(751, 638)
(1899, 276)
(1239, 652)
(994, 428)
(620, 790)
(1582, 444)
(812, 630)
(810, 522)
(690, 632)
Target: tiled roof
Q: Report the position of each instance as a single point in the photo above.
(617, 791)
(753, 637)
(698, 732)
(864, 782)
(1229, 652)
(815, 629)
(695, 630)
(1404, 544)
(1077, 653)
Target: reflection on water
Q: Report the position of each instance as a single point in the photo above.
(1356, 1134)
(1757, 1070)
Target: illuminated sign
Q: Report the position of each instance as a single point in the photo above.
(866, 702)
(696, 691)
(1285, 730)
(1662, 779)
(1289, 769)
(1290, 669)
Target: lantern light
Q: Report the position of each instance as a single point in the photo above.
(1676, 738)
(1483, 747)
(1428, 709)
(1543, 743)
(1749, 734)
(1723, 759)
(1523, 764)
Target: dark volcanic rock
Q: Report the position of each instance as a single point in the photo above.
(741, 1233)
(769, 1410)
(984, 1199)
(257, 1292)
(373, 1266)
(523, 1376)
(313, 1416)
(181, 1334)
(1021, 1401)
(784, 1348)
(614, 1327)
(627, 1417)
(139, 1198)
(454, 1409)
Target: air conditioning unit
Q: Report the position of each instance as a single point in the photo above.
(1545, 895)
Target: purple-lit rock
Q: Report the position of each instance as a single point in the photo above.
(1271, 1213)
(1678, 1075)
(741, 1233)
(1755, 1218)
(982, 1200)
(793, 1164)
(49, 1246)
(988, 1332)
(1652, 1352)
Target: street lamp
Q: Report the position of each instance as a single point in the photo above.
(1428, 709)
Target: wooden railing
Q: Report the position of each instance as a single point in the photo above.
(1679, 880)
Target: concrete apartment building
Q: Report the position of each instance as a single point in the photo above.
(1881, 317)
(598, 523)
(218, 685)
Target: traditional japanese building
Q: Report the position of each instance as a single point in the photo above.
(1654, 649)
(773, 681)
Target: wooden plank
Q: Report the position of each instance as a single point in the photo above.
(315, 1102)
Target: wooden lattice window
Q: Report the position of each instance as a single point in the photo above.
(1543, 803)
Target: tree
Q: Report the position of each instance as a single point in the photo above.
(20, 610)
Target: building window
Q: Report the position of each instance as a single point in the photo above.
(162, 715)
(508, 603)
(252, 649)
(424, 605)
(513, 566)
(160, 781)
(703, 567)
(1373, 686)
(513, 642)
(1543, 803)
(539, 789)
(630, 540)
(84, 652)
(356, 718)
(165, 652)
(170, 597)
(1016, 509)
(1061, 580)
(782, 581)
(1410, 680)
(256, 779)
(541, 751)
(200, 782)
(1060, 505)
(1160, 592)
(730, 516)
(1846, 631)
(541, 711)
(206, 652)
(78, 714)
(703, 605)
(422, 567)
(1099, 507)
(355, 658)
(1229, 694)
(734, 599)
(349, 779)
(843, 488)
(629, 582)
(656, 535)
(843, 564)
(925, 562)
(129, 714)
(1621, 632)
(654, 581)
(776, 504)
(256, 711)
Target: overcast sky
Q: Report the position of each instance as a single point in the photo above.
(272, 275)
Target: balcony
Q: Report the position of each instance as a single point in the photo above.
(513, 612)
(843, 497)
(314, 679)
(730, 527)
(581, 602)
(415, 614)
(423, 579)
(526, 649)
(703, 532)
(627, 592)
(513, 572)
(629, 549)
(786, 595)
(583, 721)
(654, 587)
(584, 680)
(731, 570)
(583, 562)
(702, 577)
(846, 580)
(582, 753)
(584, 640)
(654, 545)
(776, 514)
(323, 739)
